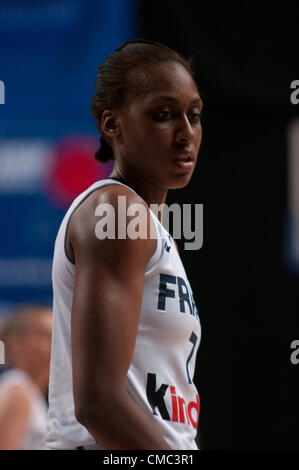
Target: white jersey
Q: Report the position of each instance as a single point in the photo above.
(160, 376)
(37, 421)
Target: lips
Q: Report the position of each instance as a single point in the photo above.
(185, 157)
(184, 160)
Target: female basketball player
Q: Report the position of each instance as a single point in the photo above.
(126, 329)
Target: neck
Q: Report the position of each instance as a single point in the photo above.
(40, 379)
(143, 187)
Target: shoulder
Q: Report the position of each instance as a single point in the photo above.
(117, 196)
(105, 218)
(16, 397)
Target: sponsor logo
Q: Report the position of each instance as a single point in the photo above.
(166, 246)
(180, 412)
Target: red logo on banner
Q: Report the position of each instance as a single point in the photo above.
(74, 169)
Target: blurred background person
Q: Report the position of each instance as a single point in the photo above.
(4, 328)
(24, 383)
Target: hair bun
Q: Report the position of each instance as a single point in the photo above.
(105, 152)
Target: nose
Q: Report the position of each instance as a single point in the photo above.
(185, 132)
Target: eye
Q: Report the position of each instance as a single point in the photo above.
(194, 116)
(162, 115)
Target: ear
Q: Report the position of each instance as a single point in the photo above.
(110, 124)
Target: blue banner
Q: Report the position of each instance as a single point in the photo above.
(50, 51)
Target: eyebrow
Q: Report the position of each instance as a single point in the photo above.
(175, 100)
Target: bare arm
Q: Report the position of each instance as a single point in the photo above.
(106, 307)
(14, 417)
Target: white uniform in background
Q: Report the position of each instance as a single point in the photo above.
(37, 423)
(160, 376)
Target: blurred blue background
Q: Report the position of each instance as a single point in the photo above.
(50, 51)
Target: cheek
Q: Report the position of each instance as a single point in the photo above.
(132, 139)
(198, 137)
(142, 137)
(147, 141)
(41, 345)
(161, 138)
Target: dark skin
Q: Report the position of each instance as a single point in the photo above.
(147, 135)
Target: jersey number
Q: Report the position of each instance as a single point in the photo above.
(193, 340)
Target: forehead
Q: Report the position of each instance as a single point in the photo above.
(168, 79)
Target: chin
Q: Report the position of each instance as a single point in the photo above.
(179, 181)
